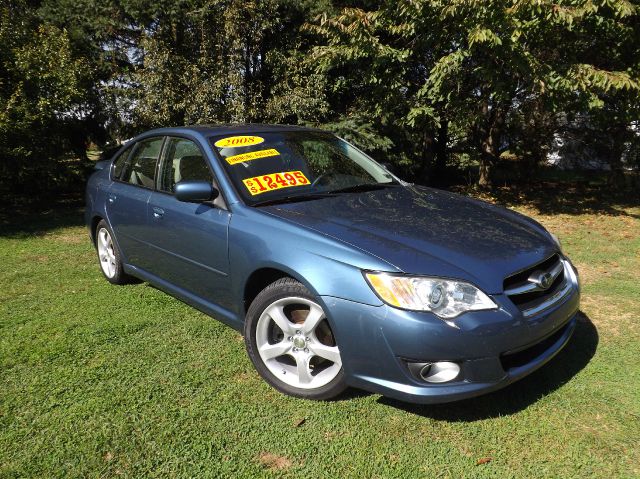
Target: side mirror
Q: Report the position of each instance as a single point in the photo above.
(195, 191)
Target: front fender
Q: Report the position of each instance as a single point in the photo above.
(327, 267)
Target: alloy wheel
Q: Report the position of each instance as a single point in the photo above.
(106, 253)
(295, 342)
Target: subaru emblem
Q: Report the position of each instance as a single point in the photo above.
(542, 280)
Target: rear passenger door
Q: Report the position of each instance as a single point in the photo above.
(190, 239)
(133, 178)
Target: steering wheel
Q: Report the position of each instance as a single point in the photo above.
(323, 175)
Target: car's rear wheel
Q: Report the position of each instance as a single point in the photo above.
(291, 344)
(109, 255)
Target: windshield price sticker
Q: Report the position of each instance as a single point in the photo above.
(252, 155)
(237, 141)
(275, 181)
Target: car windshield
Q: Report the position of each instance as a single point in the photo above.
(296, 165)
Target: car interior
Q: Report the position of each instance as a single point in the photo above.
(142, 172)
(191, 167)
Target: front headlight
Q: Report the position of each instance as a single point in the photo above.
(443, 297)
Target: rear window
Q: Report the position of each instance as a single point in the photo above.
(140, 166)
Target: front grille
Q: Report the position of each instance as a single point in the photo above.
(528, 300)
(525, 356)
(526, 289)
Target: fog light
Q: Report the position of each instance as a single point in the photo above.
(440, 372)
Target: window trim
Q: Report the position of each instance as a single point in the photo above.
(126, 149)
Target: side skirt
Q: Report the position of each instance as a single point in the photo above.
(223, 315)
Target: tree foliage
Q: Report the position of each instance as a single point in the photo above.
(484, 77)
(427, 85)
(40, 96)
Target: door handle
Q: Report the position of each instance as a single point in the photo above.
(157, 212)
(111, 197)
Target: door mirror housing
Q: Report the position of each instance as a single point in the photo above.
(195, 191)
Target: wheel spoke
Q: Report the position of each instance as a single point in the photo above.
(269, 351)
(313, 319)
(104, 238)
(277, 314)
(327, 352)
(304, 373)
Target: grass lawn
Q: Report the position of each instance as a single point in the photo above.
(100, 381)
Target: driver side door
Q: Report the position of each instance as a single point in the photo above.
(189, 239)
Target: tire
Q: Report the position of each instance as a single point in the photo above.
(298, 360)
(109, 257)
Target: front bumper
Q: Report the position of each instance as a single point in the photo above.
(493, 348)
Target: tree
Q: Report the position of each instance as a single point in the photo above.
(424, 84)
(472, 66)
(39, 97)
(168, 63)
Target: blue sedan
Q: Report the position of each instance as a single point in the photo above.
(337, 272)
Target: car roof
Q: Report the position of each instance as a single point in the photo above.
(230, 129)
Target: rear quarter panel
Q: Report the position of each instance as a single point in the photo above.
(95, 196)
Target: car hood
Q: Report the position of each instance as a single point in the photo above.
(429, 232)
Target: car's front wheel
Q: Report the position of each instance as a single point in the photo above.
(291, 344)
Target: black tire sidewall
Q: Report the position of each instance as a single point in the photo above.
(283, 288)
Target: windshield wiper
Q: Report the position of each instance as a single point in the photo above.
(364, 187)
(327, 194)
(293, 199)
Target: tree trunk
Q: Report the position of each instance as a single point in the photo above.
(487, 160)
(484, 181)
(441, 152)
(489, 146)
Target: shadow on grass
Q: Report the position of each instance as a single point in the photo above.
(518, 396)
(572, 198)
(21, 220)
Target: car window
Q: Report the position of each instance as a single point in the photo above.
(119, 162)
(182, 161)
(141, 165)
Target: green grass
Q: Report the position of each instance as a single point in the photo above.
(100, 381)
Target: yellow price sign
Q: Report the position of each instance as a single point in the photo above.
(275, 181)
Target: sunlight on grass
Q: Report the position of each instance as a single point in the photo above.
(98, 380)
